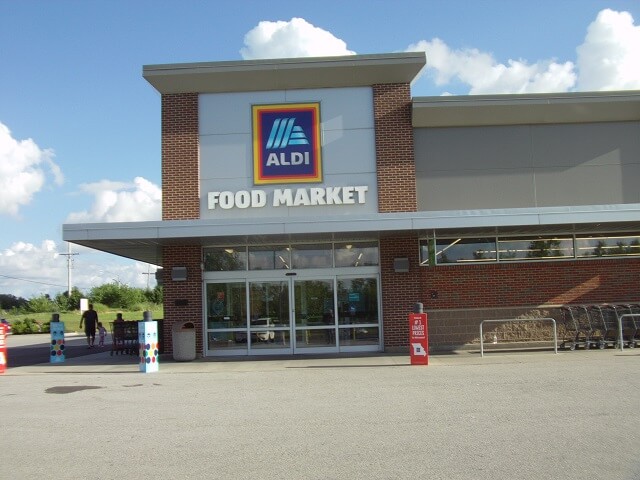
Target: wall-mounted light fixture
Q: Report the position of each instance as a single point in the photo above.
(179, 274)
(401, 265)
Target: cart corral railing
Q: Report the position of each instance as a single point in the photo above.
(620, 330)
(514, 320)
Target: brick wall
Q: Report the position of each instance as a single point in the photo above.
(176, 293)
(181, 201)
(400, 291)
(396, 175)
(468, 294)
(180, 166)
(395, 162)
(543, 283)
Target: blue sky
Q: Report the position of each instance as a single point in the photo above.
(80, 127)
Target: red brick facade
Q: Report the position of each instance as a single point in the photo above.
(395, 162)
(458, 298)
(181, 201)
(180, 169)
(531, 284)
(396, 175)
(400, 290)
(182, 299)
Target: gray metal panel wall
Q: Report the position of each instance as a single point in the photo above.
(527, 166)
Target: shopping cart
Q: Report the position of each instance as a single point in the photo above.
(604, 321)
(577, 328)
(124, 338)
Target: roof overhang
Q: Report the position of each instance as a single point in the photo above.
(144, 241)
(285, 73)
(531, 109)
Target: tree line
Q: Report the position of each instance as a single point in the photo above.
(114, 295)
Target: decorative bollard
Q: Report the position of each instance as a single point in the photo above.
(57, 339)
(148, 344)
(3, 349)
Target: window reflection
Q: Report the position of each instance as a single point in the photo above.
(600, 246)
(274, 257)
(225, 259)
(226, 305)
(312, 256)
(356, 254)
(539, 248)
(455, 250)
(269, 303)
(357, 301)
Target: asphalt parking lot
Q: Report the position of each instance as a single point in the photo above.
(525, 415)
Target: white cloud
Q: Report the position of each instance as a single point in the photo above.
(484, 74)
(609, 58)
(29, 270)
(21, 171)
(120, 202)
(39, 264)
(295, 38)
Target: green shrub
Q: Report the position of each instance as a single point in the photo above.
(27, 325)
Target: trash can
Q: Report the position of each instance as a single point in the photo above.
(184, 341)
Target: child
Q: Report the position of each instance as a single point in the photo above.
(103, 333)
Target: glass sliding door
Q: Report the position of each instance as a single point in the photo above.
(358, 318)
(269, 324)
(226, 316)
(315, 322)
(321, 313)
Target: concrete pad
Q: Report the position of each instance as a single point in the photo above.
(532, 415)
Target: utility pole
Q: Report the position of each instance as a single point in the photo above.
(147, 273)
(69, 256)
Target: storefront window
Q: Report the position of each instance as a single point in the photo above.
(458, 250)
(356, 254)
(226, 305)
(270, 257)
(600, 246)
(218, 259)
(226, 310)
(357, 301)
(269, 304)
(538, 248)
(312, 256)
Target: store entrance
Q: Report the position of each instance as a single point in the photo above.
(293, 315)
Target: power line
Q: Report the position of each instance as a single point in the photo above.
(32, 281)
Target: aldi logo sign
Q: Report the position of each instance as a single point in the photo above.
(286, 143)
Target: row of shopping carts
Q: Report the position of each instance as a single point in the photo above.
(600, 326)
(124, 338)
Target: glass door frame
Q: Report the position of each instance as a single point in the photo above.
(249, 277)
(313, 329)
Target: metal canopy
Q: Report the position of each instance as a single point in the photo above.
(144, 241)
(285, 74)
(530, 109)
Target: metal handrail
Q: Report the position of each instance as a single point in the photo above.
(507, 320)
(620, 337)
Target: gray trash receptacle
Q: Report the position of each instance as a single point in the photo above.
(183, 335)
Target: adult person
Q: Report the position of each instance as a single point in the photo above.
(90, 319)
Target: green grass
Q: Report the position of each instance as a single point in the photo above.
(72, 319)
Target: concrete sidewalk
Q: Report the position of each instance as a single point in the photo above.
(103, 360)
(529, 415)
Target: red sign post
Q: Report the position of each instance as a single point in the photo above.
(418, 339)
(3, 349)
